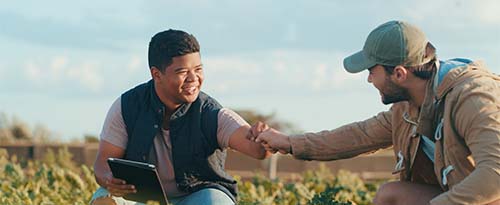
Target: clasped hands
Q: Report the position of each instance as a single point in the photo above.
(272, 140)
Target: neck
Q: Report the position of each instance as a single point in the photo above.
(417, 92)
(170, 105)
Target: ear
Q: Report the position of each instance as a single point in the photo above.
(155, 73)
(400, 73)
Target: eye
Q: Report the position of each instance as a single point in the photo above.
(181, 72)
(370, 70)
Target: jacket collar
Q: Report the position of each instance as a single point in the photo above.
(442, 82)
(458, 75)
(157, 104)
(427, 110)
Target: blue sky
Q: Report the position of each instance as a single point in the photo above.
(62, 63)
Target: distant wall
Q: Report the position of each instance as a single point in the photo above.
(369, 167)
(82, 153)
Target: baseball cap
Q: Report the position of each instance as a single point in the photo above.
(392, 43)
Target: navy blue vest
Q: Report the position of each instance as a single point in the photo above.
(197, 158)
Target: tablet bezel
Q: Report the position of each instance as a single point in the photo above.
(147, 185)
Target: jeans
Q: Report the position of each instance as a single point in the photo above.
(208, 196)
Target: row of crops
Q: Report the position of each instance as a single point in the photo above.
(56, 180)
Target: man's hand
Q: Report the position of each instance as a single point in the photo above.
(274, 141)
(256, 129)
(115, 187)
(102, 172)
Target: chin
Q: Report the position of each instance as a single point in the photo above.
(388, 101)
(191, 98)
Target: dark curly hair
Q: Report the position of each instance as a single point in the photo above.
(168, 44)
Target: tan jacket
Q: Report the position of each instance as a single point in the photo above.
(467, 102)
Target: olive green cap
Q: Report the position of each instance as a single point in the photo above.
(393, 43)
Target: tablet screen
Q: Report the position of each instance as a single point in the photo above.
(142, 175)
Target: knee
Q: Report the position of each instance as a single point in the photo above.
(387, 194)
(497, 202)
(102, 197)
(103, 201)
(211, 196)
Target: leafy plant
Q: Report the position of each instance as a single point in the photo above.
(56, 180)
(318, 187)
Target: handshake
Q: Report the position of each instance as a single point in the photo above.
(272, 140)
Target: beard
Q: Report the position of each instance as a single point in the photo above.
(393, 93)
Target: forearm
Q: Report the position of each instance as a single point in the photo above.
(325, 146)
(239, 142)
(101, 170)
(251, 148)
(344, 142)
(258, 151)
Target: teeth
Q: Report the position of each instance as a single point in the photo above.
(190, 89)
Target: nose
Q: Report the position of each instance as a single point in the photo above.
(369, 78)
(191, 76)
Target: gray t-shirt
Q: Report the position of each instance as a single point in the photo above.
(114, 132)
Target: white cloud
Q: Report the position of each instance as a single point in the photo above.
(487, 11)
(232, 63)
(45, 73)
(457, 14)
(331, 78)
(87, 75)
(279, 66)
(56, 72)
(319, 78)
(340, 79)
(220, 87)
(135, 64)
(57, 68)
(299, 70)
(58, 65)
(32, 71)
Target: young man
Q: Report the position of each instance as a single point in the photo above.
(444, 124)
(169, 122)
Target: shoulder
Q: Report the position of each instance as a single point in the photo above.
(229, 115)
(475, 90)
(208, 101)
(140, 90)
(471, 75)
(116, 106)
(474, 82)
(137, 96)
(115, 112)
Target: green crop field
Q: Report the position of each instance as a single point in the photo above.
(55, 180)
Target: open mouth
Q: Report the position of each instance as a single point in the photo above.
(189, 90)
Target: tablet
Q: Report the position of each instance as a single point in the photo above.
(143, 176)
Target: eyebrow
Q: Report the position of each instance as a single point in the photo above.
(371, 68)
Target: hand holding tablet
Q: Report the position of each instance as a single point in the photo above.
(142, 176)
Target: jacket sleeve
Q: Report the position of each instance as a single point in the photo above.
(477, 119)
(344, 142)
